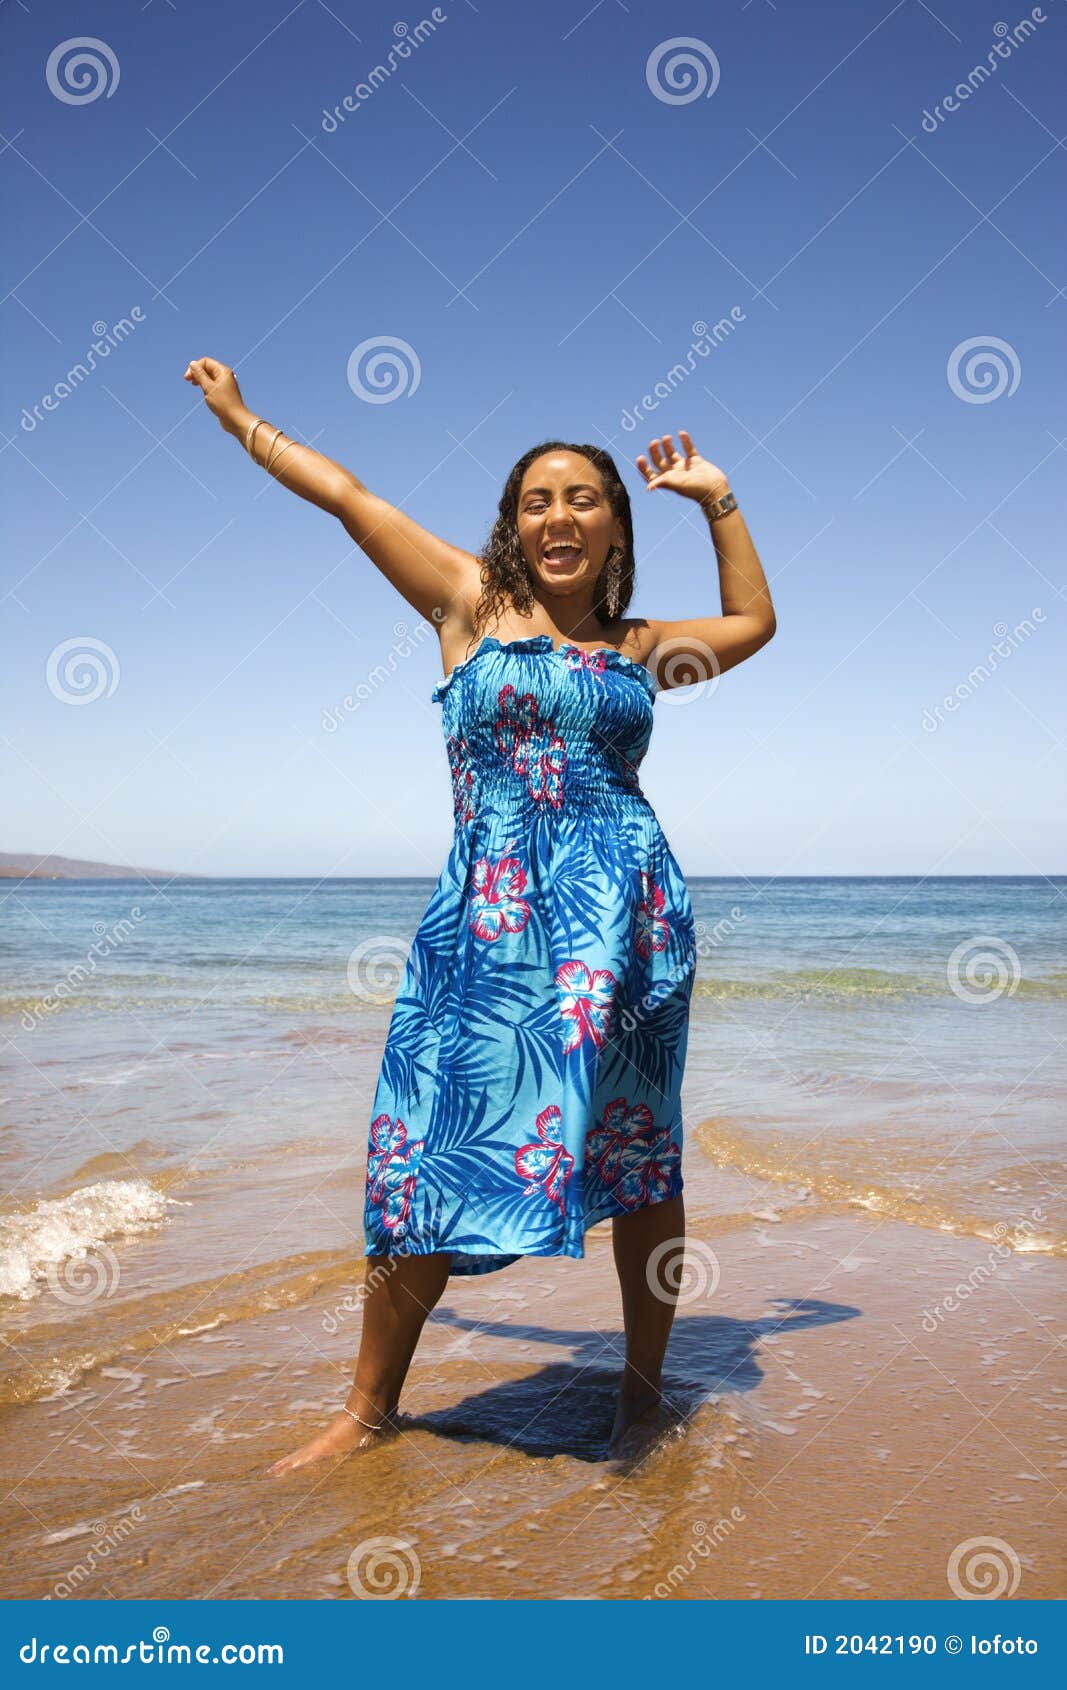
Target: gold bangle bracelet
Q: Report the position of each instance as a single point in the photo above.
(277, 455)
(278, 432)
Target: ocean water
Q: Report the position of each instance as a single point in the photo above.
(874, 1107)
(185, 1063)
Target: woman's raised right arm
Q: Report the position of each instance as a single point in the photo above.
(437, 579)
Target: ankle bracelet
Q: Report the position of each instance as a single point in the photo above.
(362, 1422)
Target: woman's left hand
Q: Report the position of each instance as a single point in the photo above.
(684, 472)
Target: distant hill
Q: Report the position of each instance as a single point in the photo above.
(26, 865)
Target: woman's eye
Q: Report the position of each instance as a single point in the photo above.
(536, 508)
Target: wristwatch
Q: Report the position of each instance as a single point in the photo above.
(714, 508)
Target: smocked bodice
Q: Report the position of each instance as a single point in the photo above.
(536, 730)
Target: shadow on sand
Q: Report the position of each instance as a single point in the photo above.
(567, 1407)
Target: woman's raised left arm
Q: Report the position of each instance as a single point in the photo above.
(696, 648)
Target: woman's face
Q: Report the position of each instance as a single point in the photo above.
(566, 525)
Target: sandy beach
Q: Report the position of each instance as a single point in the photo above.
(832, 1430)
(865, 1388)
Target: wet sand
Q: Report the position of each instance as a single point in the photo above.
(832, 1427)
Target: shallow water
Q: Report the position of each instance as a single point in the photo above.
(183, 1132)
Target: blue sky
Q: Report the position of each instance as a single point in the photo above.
(518, 202)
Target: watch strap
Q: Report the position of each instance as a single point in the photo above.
(714, 508)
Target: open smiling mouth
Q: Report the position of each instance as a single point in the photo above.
(562, 551)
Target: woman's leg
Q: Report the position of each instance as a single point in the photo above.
(649, 1271)
(399, 1291)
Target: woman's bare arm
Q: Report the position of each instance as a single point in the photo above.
(696, 648)
(437, 579)
(747, 621)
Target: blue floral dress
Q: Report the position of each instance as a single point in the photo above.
(531, 1076)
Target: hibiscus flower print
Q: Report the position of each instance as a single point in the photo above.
(546, 1166)
(584, 662)
(462, 771)
(496, 904)
(392, 1165)
(542, 760)
(652, 931)
(585, 1002)
(636, 1160)
(518, 714)
(531, 745)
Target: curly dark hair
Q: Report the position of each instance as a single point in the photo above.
(506, 578)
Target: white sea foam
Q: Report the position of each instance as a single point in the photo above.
(118, 1078)
(41, 1245)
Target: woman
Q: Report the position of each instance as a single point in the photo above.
(530, 1084)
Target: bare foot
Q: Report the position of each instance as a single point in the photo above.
(641, 1410)
(342, 1436)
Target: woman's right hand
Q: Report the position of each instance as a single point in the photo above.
(218, 384)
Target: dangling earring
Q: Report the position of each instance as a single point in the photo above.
(612, 582)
